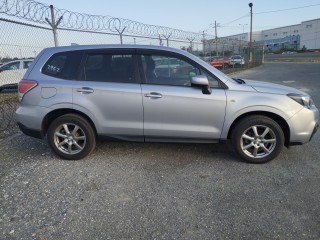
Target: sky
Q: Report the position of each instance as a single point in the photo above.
(232, 16)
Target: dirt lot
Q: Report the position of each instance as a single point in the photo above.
(164, 191)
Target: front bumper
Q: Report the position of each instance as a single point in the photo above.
(304, 125)
(314, 131)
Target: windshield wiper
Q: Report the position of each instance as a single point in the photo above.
(240, 81)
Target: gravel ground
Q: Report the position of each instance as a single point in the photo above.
(163, 191)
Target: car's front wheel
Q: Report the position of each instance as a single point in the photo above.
(257, 139)
(71, 137)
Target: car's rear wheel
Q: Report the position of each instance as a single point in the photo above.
(257, 139)
(71, 137)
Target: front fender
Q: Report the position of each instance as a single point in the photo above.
(239, 104)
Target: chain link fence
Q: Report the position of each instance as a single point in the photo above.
(27, 27)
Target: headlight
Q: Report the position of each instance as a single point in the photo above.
(304, 100)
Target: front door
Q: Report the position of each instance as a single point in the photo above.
(173, 109)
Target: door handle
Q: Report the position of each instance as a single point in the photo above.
(153, 95)
(85, 90)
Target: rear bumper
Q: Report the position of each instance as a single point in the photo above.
(29, 119)
(30, 132)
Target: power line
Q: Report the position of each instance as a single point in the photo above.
(272, 11)
(244, 16)
(288, 9)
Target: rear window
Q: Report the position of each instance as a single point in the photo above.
(63, 65)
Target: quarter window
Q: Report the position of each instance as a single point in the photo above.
(63, 65)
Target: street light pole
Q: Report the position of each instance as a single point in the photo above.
(215, 27)
(250, 44)
(243, 24)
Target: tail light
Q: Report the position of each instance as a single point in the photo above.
(25, 86)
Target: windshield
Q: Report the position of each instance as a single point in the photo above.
(219, 74)
(10, 66)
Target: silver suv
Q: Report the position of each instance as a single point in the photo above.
(76, 94)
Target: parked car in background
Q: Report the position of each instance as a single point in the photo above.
(166, 66)
(289, 52)
(236, 60)
(218, 62)
(12, 72)
(76, 94)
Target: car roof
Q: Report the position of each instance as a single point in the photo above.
(53, 50)
(113, 46)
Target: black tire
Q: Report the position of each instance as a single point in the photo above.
(257, 139)
(71, 137)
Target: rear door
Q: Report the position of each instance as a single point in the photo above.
(110, 92)
(173, 109)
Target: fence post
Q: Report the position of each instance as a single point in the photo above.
(120, 33)
(54, 25)
(167, 38)
(191, 43)
(160, 40)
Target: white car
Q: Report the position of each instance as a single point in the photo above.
(236, 60)
(12, 72)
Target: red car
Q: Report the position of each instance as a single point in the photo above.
(218, 62)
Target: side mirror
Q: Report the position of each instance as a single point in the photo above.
(201, 81)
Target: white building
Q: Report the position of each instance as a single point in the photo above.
(310, 34)
(306, 34)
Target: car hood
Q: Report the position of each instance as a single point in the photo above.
(266, 87)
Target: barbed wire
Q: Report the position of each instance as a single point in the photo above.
(37, 12)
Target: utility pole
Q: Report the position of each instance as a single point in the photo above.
(204, 44)
(243, 24)
(215, 27)
(250, 44)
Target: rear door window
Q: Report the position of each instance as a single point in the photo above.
(108, 67)
(63, 65)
